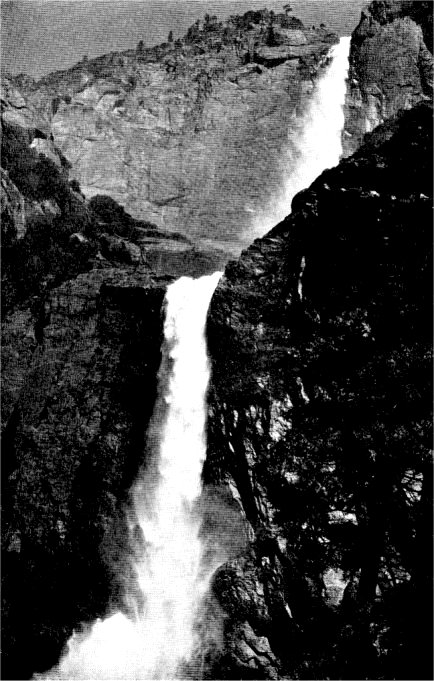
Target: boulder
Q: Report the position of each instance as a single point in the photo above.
(116, 248)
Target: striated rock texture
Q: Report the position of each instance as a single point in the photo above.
(391, 65)
(187, 135)
(320, 423)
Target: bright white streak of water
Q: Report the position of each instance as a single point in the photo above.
(152, 645)
(317, 145)
(171, 576)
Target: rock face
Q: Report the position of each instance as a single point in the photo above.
(391, 65)
(26, 136)
(319, 422)
(51, 233)
(78, 393)
(186, 135)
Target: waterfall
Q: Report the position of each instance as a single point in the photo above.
(171, 576)
(159, 635)
(316, 144)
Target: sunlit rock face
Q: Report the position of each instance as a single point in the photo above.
(391, 65)
(319, 405)
(50, 232)
(188, 136)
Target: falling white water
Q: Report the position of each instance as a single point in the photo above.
(171, 576)
(316, 145)
(153, 643)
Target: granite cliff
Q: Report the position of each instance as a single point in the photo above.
(391, 65)
(319, 430)
(320, 423)
(320, 336)
(186, 135)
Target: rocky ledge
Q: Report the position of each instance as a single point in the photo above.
(320, 422)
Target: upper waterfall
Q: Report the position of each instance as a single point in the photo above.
(316, 145)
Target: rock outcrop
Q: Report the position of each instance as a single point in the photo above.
(186, 135)
(391, 65)
(320, 421)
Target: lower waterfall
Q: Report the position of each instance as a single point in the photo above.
(172, 579)
(160, 633)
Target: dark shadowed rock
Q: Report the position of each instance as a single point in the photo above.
(120, 249)
(320, 407)
(79, 389)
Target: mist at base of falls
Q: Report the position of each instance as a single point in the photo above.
(161, 638)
